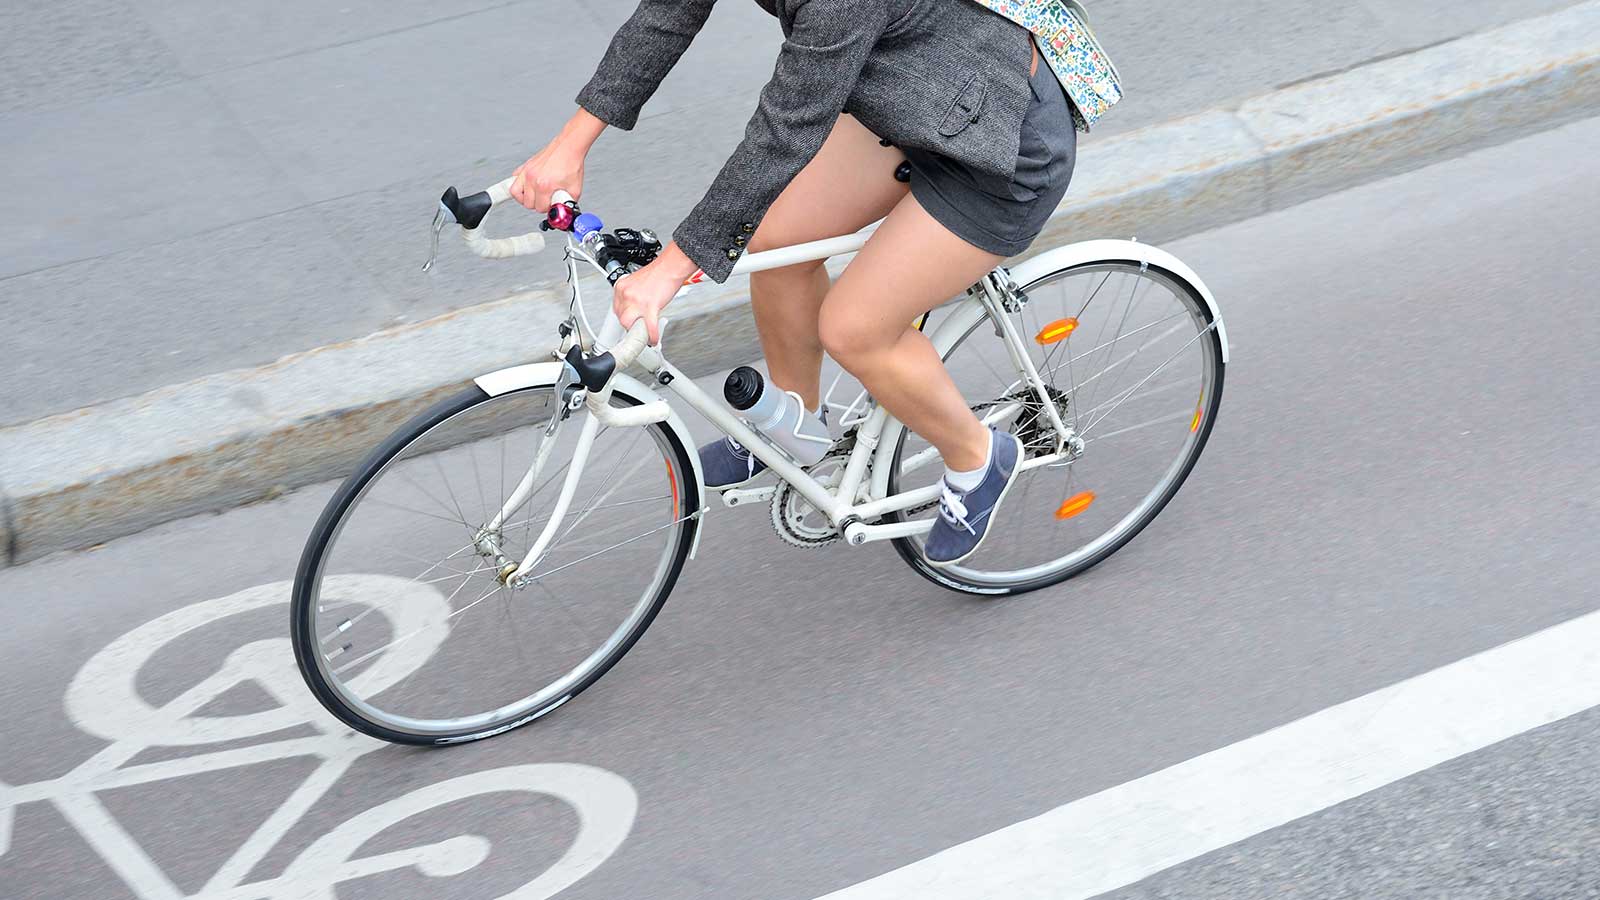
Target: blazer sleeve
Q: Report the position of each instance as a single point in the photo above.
(641, 54)
(822, 57)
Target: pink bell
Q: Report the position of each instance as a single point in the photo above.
(561, 217)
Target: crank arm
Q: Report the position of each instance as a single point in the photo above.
(746, 496)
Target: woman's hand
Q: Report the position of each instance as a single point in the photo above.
(559, 166)
(645, 293)
(555, 168)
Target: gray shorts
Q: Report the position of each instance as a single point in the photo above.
(994, 215)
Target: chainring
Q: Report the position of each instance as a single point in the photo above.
(795, 520)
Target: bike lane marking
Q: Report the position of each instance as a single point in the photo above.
(103, 700)
(1127, 833)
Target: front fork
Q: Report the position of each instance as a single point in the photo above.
(585, 381)
(570, 396)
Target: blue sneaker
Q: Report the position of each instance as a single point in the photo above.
(965, 516)
(728, 463)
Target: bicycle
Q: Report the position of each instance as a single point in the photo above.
(642, 517)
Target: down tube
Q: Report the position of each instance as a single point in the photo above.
(730, 425)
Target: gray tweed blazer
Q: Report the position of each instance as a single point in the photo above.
(942, 75)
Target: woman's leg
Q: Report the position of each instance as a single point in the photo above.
(910, 264)
(848, 185)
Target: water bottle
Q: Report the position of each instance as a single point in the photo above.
(780, 415)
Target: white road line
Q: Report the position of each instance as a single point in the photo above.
(1126, 833)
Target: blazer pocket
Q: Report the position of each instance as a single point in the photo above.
(967, 106)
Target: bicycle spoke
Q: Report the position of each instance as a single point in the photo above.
(410, 634)
(1162, 420)
(477, 480)
(1152, 392)
(619, 503)
(638, 537)
(1133, 300)
(415, 512)
(442, 505)
(1159, 369)
(1140, 329)
(1130, 357)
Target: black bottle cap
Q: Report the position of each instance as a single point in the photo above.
(742, 388)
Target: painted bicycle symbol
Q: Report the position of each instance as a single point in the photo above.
(104, 701)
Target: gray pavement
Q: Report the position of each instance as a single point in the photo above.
(1515, 820)
(194, 188)
(1402, 476)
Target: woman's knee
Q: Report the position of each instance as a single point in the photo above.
(850, 341)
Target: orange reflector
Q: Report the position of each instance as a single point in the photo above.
(672, 479)
(1195, 425)
(1056, 330)
(1075, 505)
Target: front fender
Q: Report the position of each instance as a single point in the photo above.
(545, 373)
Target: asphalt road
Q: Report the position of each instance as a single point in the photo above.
(1403, 475)
(192, 188)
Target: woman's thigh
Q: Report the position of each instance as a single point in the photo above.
(910, 265)
(847, 186)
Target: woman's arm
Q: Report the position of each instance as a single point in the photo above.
(817, 69)
(641, 54)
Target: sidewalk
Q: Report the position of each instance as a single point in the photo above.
(75, 479)
(195, 187)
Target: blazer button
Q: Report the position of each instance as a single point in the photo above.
(733, 253)
(748, 227)
(739, 241)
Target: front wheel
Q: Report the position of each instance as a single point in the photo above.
(456, 655)
(1132, 358)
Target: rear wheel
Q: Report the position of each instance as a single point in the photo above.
(478, 657)
(1132, 358)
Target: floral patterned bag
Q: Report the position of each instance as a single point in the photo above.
(1061, 30)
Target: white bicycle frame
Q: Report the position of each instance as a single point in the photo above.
(861, 493)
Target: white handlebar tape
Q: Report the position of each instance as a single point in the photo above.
(625, 352)
(628, 349)
(502, 248)
(501, 192)
(508, 247)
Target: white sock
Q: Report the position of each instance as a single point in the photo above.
(966, 481)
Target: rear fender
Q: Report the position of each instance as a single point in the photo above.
(1037, 267)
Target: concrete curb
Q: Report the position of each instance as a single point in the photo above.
(80, 478)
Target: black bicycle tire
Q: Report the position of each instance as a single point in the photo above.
(302, 629)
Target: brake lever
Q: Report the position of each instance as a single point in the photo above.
(440, 219)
